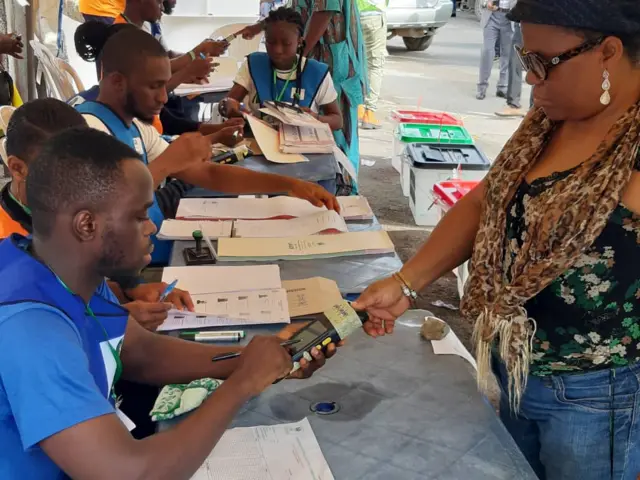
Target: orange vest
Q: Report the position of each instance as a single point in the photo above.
(157, 124)
(9, 226)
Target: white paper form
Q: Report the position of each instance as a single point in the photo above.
(214, 279)
(220, 80)
(280, 452)
(183, 229)
(351, 208)
(263, 307)
(327, 221)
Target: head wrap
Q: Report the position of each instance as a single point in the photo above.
(613, 17)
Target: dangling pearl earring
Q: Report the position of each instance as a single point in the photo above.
(605, 98)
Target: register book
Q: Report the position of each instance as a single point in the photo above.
(304, 248)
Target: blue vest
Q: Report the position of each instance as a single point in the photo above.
(131, 136)
(33, 283)
(261, 71)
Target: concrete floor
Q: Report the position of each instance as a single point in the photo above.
(443, 77)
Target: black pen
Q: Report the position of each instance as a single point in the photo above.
(229, 356)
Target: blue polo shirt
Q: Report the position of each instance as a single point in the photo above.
(56, 370)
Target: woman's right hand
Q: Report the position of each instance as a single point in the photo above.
(231, 108)
(384, 301)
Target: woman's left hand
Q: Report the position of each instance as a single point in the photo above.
(319, 359)
(212, 48)
(314, 194)
(310, 112)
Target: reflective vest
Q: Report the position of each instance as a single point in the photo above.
(130, 135)
(312, 76)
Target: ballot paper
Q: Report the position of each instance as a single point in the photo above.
(289, 116)
(351, 208)
(269, 142)
(279, 452)
(305, 248)
(217, 279)
(183, 229)
(311, 295)
(296, 139)
(220, 80)
(321, 222)
(248, 307)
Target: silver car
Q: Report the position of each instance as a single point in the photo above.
(417, 21)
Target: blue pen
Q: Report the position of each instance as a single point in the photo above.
(203, 56)
(168, 290)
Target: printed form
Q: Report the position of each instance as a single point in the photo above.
(280, 452)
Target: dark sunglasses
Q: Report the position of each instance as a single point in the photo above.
(540, 67)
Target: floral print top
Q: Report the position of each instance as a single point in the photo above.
(589, 317)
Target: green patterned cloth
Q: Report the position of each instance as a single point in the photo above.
(176, 400)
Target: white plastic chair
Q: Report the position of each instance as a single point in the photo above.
(71, 76)
(5, 115)
(3, 152)
(58, 77)
(239, 47)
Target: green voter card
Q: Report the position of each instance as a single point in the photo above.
(344, 319)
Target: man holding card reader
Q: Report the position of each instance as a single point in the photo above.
(65, 340)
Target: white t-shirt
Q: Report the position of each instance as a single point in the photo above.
(326, 93)
(154, 144)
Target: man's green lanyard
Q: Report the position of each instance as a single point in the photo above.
(275, 79)
(26, 209)
(116, 355)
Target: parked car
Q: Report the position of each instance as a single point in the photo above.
(417, 21)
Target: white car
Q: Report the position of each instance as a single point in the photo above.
(417, 21)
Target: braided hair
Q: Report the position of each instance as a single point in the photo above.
(291, 16)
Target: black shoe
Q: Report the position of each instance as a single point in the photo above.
(500, 94)
(481, 96)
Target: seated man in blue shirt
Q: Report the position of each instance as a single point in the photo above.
(64, 340)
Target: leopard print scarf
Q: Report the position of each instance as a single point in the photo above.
(561, 222)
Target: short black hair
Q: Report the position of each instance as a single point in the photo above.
(78, 168)
(90, 38)
(631, 43)
(288, 15)
(32, 124)
(129, 48)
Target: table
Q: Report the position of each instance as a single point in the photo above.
(352, 274)
(321, 168)
(404, 414)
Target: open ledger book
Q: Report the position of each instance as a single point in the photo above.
(228, 296)
(321, 222)
(305, 248)
(351, 208)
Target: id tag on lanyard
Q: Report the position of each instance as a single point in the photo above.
(300, 96)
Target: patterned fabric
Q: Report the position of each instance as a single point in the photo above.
(615, 17)
(562, 222)
(589, 317)
(342, 48)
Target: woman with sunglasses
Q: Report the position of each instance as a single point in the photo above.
(553, 233)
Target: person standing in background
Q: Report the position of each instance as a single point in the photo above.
(514, 89)
(496, 27)
(373, 19)
(104, 11)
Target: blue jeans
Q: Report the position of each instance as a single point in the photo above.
(565, 422)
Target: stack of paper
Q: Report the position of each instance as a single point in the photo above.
(305, 248)
(183, 229)
(297, 139)
(220, 80)
(351, 208)
(321, 222)
(226, 296)
(289, 115)
(279, 452)
(268, 140)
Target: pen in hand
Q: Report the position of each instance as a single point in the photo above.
(229, 356)
(168, 290)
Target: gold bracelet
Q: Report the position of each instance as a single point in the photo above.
(404, 279)
(407, 291)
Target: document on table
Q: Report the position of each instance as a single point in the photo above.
(321, 222)
(183, 229)
(311, 295)
(249, 307)
(279, 452)
(269, 142)
(289, 116)
(218, 279)
(305, 248)
(220, 80)
(351, 208)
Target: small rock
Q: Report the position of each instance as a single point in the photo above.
(434, 329)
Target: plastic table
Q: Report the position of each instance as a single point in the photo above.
(403, 414)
